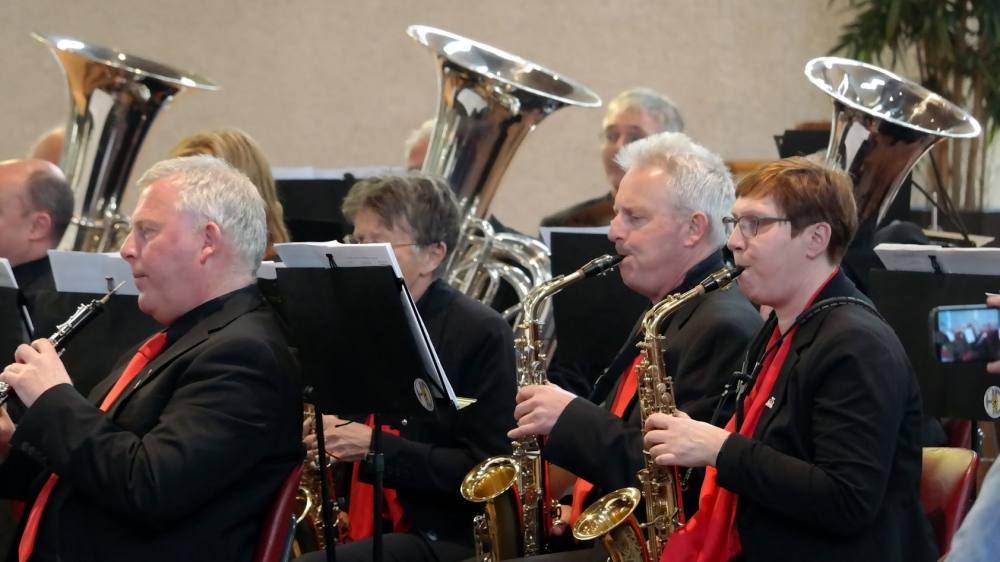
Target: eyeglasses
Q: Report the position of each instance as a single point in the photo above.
(351, 239)
(748, 224)
(611, 136)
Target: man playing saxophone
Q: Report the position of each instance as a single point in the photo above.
(426, 459)
(669, 209)
(822, 459)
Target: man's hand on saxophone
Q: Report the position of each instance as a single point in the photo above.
(538, 408)
(679, 440)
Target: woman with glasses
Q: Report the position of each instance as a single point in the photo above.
(822, 459)
(425, 517)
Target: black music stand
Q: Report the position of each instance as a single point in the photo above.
(595, 316)
(905, 299)
(312, 207)
(359, 354)
(13, 330)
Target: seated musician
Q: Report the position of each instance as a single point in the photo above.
(415, 148)
(49, 146)
(822, 460)
(669, 228)
(632, 115)
(36, 206)
(179, 453)
(427, 459)
(240, 151)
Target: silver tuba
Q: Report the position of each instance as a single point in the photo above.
(882, 124)
(489, 101)
(114, 99)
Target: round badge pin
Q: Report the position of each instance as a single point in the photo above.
(991, 401)
(423, 393)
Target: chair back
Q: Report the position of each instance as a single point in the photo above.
(949, 475)
(277, 525)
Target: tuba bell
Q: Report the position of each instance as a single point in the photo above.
(882, 124)
(489, 101)
(114, 99)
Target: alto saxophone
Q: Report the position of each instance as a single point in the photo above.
(611, 517)
(310, 533)
(519, 510)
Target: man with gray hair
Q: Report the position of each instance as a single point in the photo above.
(632, 115)
(668, 225)
(179, 453)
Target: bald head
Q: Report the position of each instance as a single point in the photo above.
(49, 147)
(36, 205)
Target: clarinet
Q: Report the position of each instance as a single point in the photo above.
(83, 315)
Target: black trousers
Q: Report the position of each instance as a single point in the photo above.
(397, 547)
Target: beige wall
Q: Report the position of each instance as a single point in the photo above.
(339, 83)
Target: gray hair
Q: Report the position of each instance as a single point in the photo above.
(48, 191)
(214, 191)
(699, 179)
(667, 116)
(422, 204)
(424, 132)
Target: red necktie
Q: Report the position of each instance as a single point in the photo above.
(146, 353)
(626, 391)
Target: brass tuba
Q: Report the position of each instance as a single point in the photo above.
(489, 101)
(514, 489)
(882, 124)
(610, 518)
(114, 99)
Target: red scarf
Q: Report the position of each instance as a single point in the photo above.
(711, 535)
(626, 390)
(362, 496)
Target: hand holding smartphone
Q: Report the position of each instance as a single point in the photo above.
(965, 333)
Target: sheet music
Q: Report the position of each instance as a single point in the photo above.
(87, 272)
(311, 173)
(546, 231)
(7, 275)
(314, 255)
(269, 269)
(916, 257)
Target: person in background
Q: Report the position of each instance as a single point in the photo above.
(243, 153)
(632, 115)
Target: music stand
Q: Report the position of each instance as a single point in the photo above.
(905, 299)
(359, 353)
(312, 207)
(594, 316)
(13, 331)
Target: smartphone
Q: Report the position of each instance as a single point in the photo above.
(965, 333)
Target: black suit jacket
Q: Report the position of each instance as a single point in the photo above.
(833, 469)
(598, 211)
(185, 464)
(703, 346)
(427, 461)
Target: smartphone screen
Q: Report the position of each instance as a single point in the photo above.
(966, 334)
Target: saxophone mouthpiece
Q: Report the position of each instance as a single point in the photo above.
(602, 264)
(721, 279)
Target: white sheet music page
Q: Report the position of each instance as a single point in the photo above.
(319, 254)
(87, 272)
(7, 275)
(907, 257)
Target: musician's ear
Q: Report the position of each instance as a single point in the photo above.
(431, 257)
